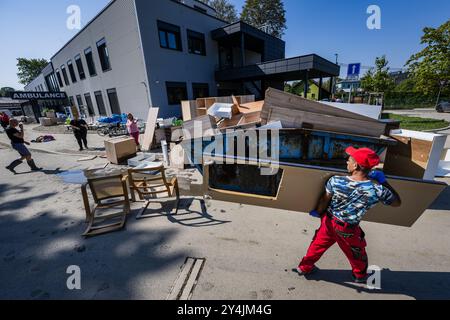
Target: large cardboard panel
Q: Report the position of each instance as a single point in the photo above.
(150, 129)
(302, 186)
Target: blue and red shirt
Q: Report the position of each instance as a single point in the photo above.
(352, 199)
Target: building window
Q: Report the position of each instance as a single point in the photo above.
(79, 101)
(176, 92)
(104, 55)
(71, 101)
(51, 83)
(100, 103)
(58, 76)
(196, 43)
(90, 62)
(89, 104)
(200, 90)
(169, 36)
(113, 101)
(80, 67)
(71, 71)
(66, 78)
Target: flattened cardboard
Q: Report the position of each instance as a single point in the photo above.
(302, 186)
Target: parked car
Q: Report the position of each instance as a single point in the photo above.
(443, 107)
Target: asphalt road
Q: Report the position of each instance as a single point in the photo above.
(249, 251)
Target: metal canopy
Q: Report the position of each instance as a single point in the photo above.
(297, 68)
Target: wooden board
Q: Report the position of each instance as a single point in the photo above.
(150, 129)
(302, 186)
(251, 107)
(281, 99)
(189, 109)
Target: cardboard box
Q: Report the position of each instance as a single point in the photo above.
(120, 149)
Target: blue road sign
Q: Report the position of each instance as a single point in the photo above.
(354, 70)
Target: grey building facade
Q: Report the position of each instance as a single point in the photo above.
(138, 54)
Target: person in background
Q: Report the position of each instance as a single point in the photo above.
(133, 129)
(80, 130)
(18, 143)
(4, 120)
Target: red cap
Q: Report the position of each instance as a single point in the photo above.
(365, 157)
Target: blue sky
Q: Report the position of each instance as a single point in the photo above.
(37, 29)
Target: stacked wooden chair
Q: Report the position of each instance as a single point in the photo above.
(108, 193)
(150, 184)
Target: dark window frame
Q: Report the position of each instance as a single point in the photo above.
(71, 69)
(113, 92)
(89, 56)
(65, 76)
(174, 98)
(194, 38)
(164, 29)
(80, 67)
(103, 54)
(200, 86)
(89, 104)
(58, 76)
(101, 107)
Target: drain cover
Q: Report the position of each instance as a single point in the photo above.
(187, 280)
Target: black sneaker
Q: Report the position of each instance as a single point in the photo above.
(301, 273)
(11, 169)
(81, 149)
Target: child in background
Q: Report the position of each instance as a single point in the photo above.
(133, 129)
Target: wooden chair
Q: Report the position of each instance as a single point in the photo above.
(108, 192)
(152, 182)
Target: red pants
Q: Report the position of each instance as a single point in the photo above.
(349, 238)
(135, 135)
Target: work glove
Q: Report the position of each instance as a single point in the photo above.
(378, 176)
(315, 214)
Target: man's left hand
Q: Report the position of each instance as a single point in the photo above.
(378, 176)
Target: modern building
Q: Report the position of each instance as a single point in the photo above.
(137, 54)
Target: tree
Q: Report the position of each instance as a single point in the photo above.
(378, 80)
(266, 14)
(29, 69)
(225, 10)
(6, 91)
(430, 68)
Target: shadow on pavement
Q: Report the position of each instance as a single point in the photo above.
(416, 284)
(199, 219)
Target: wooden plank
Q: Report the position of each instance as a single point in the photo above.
(150, 129)
(279, 99)
(251, 107)
(301, 119)
(189, 110)
(302, 186)
(192, 281)
(181, 280)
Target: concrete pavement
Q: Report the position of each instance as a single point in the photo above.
(249, 251)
